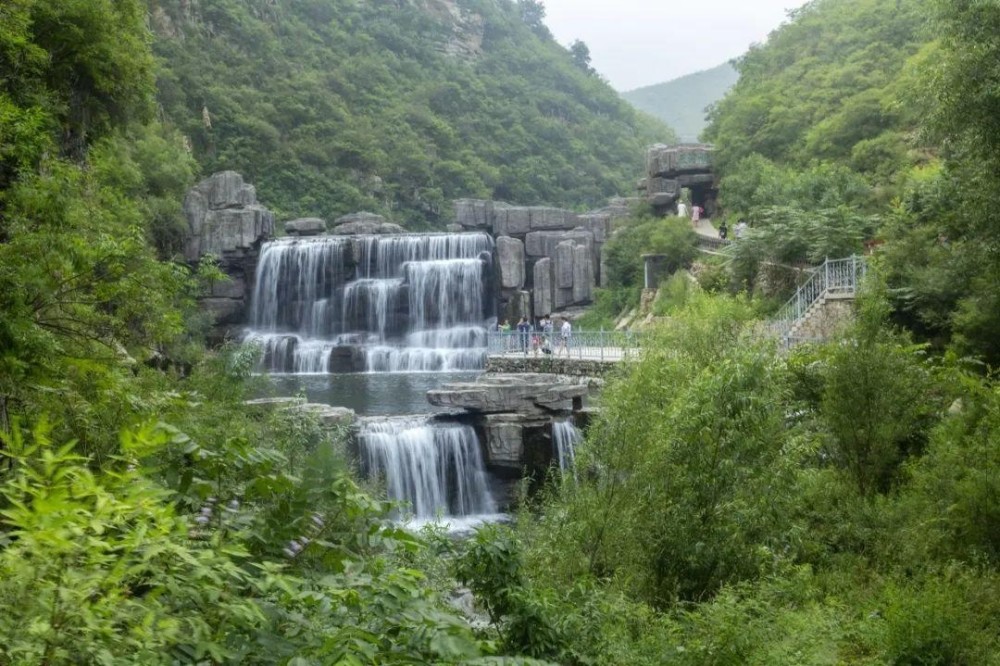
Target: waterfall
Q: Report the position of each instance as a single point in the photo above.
(434, 469)
(412, 303)
(566, 437)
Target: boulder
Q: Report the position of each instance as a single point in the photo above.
(365, 224)
(474, 214)
(543, 287)
(510, 253)
(305, 226)
(361, 216)
(347, 359)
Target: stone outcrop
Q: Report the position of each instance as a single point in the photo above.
(543, 251)
(224, 218)
(226, 221)
(513, 415)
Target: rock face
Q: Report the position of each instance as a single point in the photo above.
(224, 218)
(538, 249)
(225, 221)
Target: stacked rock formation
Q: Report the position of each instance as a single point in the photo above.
(225, 220)
(669, 169)
(549, 258)
(513, 415)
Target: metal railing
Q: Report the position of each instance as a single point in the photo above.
(836, 277)
(581, 345)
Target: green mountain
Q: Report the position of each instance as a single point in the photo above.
(836, 83)
(682, 103)
(398, 107)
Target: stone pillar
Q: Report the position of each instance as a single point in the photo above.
(510, 253)
(583, 275)
(543, 287)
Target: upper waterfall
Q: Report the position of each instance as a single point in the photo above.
(373, 303)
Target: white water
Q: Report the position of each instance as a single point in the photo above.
(434, 470)
(414, 303)
(566, 437)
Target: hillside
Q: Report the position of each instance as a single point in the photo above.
(682, 103)
(333, 106)
(832, 84)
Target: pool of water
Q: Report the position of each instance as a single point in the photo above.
(370, 394)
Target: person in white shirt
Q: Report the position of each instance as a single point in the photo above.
(565, 333)
(682, 210)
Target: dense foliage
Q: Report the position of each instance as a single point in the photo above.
(334, 106)
(734, 505)
(873, 122)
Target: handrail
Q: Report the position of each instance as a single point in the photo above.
(836, 277)
(581, 345)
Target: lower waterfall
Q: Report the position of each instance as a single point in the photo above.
(435, 470)
(566, 437)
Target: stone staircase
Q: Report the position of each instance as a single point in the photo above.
(821, 305)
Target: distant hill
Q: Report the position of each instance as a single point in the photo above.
(681, 103)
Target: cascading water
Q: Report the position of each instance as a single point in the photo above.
(433, 469)
(566, 437)
(413, 303)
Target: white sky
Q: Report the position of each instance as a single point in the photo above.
(636, 43)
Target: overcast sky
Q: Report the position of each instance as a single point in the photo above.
(636, 43)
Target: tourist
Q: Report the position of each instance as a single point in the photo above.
(741, 228)
(504, 336)
(723, 230)
(682, 210)
(523, 329)
(565, 333)
(695, 214)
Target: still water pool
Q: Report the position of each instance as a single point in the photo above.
(370, 394)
